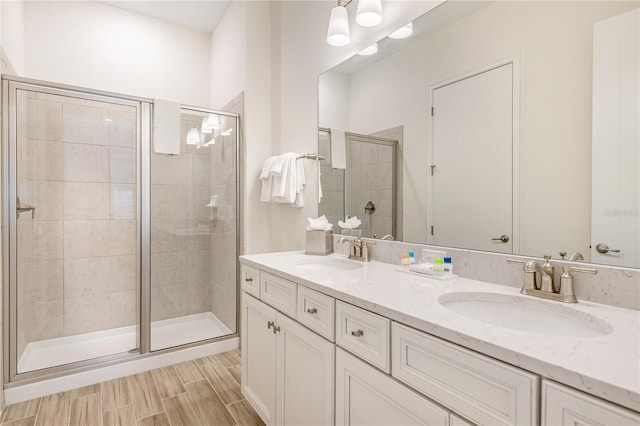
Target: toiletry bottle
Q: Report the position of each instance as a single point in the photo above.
(412, 258)
(438, 267)
(448, 266)
(405, 261)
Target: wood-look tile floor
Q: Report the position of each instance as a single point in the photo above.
(205, 391)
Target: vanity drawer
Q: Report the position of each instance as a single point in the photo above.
(250, 280)
(363, 333)
(279, 293)
(481, 389)
(565, 406)
(317, 311)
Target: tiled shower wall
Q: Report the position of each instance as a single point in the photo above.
(371, 179)
(224, 184)
(77, 257)
(180, 246)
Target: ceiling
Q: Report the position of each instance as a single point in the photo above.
(202, 15)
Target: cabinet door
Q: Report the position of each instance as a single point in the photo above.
(563, 406)
(365, 396)
(305, 375)
(259, 357)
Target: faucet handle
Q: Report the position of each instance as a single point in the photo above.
(567, 292)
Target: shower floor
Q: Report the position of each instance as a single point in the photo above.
(164, 334)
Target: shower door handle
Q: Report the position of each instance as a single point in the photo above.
(25, 208)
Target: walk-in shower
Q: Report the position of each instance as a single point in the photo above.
(112, 249)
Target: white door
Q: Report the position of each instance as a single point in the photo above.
(472, 162)
(365, 396)
(615, 202)
(259, 357)
(305, 375)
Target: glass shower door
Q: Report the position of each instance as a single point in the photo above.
(74, 239)
(194, 232)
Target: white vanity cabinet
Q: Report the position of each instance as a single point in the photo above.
(366, 396)
(309, 357)
(287, 370)
(479, 388)
(563, 406)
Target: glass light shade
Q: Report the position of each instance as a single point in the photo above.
(369, 13)
(338, 33)
(371, 50)
(193, 137)
(213, 122)
(402, 32)
(205, 128)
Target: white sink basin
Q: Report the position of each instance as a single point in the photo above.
(525, 313)
(326, 264)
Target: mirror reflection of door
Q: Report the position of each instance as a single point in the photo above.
(472, 123)
(615, 221)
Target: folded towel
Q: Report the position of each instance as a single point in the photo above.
(338, 149)
(166, 126)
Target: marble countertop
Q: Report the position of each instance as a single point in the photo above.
(606, 366)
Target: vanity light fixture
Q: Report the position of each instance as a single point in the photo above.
(338, 33)
(193, 137)
(402, 32)
(369, 13)
(371, 50)
(210, 123)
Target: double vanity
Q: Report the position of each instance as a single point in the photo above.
(327, 340)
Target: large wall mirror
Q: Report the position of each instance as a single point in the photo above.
(516, 125)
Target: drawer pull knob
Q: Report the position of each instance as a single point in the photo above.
(248, 280)
(271, 324)
(312, 311)
(357, 333)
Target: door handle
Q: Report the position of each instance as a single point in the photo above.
(503, 238)
(602, 248)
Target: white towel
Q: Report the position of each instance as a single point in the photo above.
(319, 182)
(338, 149)
(283, 180)
(166, 127)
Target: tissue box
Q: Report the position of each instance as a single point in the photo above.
(351, 232)
(319, 242)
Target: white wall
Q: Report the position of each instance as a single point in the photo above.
(12, 35)
(241, 61)
(333, 100)
(93, 45)
(555, 118)
(299, 29)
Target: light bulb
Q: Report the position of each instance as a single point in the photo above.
(369, 13)
(338, 32)
(402, 32)
(371, 50)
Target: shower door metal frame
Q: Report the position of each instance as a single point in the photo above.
(10, 86)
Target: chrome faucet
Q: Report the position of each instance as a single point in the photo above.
(546, 289)
(358, 249)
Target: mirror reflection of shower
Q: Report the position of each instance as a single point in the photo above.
(369, 186)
